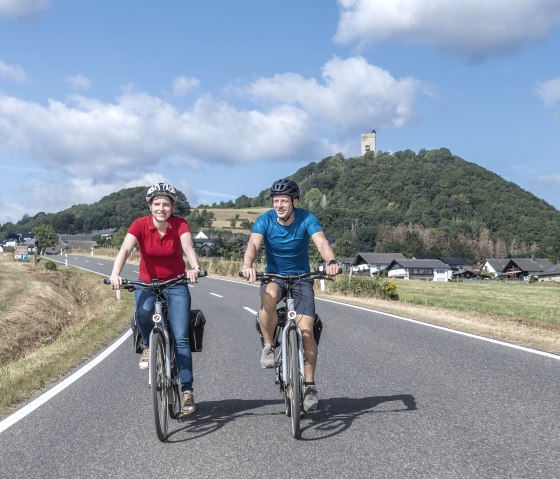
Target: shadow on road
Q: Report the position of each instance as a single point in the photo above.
(335, 415)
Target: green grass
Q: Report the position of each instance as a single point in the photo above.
(539, 302)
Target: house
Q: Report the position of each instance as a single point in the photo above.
(426, 269)
(345, 262)
(525, 267)
(457, 264)
(551, 274)
(494, 266)
(373, 263)
(204, 245)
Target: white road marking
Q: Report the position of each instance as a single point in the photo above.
(249, 309)
(24, 411)
(217, 295)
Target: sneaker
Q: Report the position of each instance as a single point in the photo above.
(187, 402)
(144, 359)
(267, 357)
(310, 399)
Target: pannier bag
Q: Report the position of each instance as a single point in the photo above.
(317, 327)
(196, 331)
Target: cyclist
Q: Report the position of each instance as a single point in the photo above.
(163, 239)
(285, 231)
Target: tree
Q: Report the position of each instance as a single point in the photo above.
(313, 198)
(344, 247)
(45, 237)
(119, 237)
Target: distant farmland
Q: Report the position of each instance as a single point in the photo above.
(223, 217)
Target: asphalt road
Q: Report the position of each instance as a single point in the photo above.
(398, 399)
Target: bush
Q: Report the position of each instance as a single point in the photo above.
(365, 286)
(50, 266)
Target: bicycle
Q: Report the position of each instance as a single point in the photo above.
(163, 377)
(288, 343)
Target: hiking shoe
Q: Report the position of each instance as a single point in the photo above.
(310, 399)
(267, 357)
(144, 359)
(187, 403)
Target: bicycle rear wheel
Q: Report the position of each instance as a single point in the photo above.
(294, 383)
(159, 385)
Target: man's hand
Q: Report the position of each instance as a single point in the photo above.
(249, 273)
(333, 269)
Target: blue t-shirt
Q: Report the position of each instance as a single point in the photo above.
(286, 247)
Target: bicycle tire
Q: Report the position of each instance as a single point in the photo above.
(159, 385)
(294, 382)
(174, 390)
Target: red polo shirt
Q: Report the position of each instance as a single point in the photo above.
(160, 257)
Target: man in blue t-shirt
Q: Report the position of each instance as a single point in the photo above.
(286, 231)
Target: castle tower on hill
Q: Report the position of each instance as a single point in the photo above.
(368, 143)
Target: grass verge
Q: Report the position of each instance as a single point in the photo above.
(51, 322)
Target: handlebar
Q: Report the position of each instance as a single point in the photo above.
(131, 285)
(292, 278)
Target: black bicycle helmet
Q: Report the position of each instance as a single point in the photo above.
(285, 186)
(161, 189)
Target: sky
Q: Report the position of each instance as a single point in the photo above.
(221, 98)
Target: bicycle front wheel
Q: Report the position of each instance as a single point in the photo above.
(294, 383)
(159, 385)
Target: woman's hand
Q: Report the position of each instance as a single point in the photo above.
(192, 275)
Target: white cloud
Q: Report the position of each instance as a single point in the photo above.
(469, 27)
(549, 180)
(182, 85)
(90, 138)
(79, 82)
(549, 92)
(354, 94)
(12, 72)
(22, 8)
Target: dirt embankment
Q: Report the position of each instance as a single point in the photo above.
(37, 305)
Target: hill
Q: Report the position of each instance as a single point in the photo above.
(426, 202)
(112, 211)
(430, 202)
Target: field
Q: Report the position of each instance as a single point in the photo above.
(223, 216)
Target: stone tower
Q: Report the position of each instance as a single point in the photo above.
(368, 142)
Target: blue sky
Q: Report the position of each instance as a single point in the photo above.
(221, 98)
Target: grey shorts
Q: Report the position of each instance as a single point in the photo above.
(302, 292)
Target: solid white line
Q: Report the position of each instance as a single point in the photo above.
(24, 411)
(482, 338)
(218, 295)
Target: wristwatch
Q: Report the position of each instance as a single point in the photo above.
(332, 261)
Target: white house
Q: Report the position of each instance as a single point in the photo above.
(495, 266)
(426, 269)
(374, 262)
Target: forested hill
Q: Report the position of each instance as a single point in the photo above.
(430, 202)
(112, 211)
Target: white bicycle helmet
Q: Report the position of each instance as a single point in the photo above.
(161, 189)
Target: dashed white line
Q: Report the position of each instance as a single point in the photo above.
(249, 309)
(217, 295)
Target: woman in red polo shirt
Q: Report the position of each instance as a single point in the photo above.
(163, 239)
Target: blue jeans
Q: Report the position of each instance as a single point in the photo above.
(178, 300)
